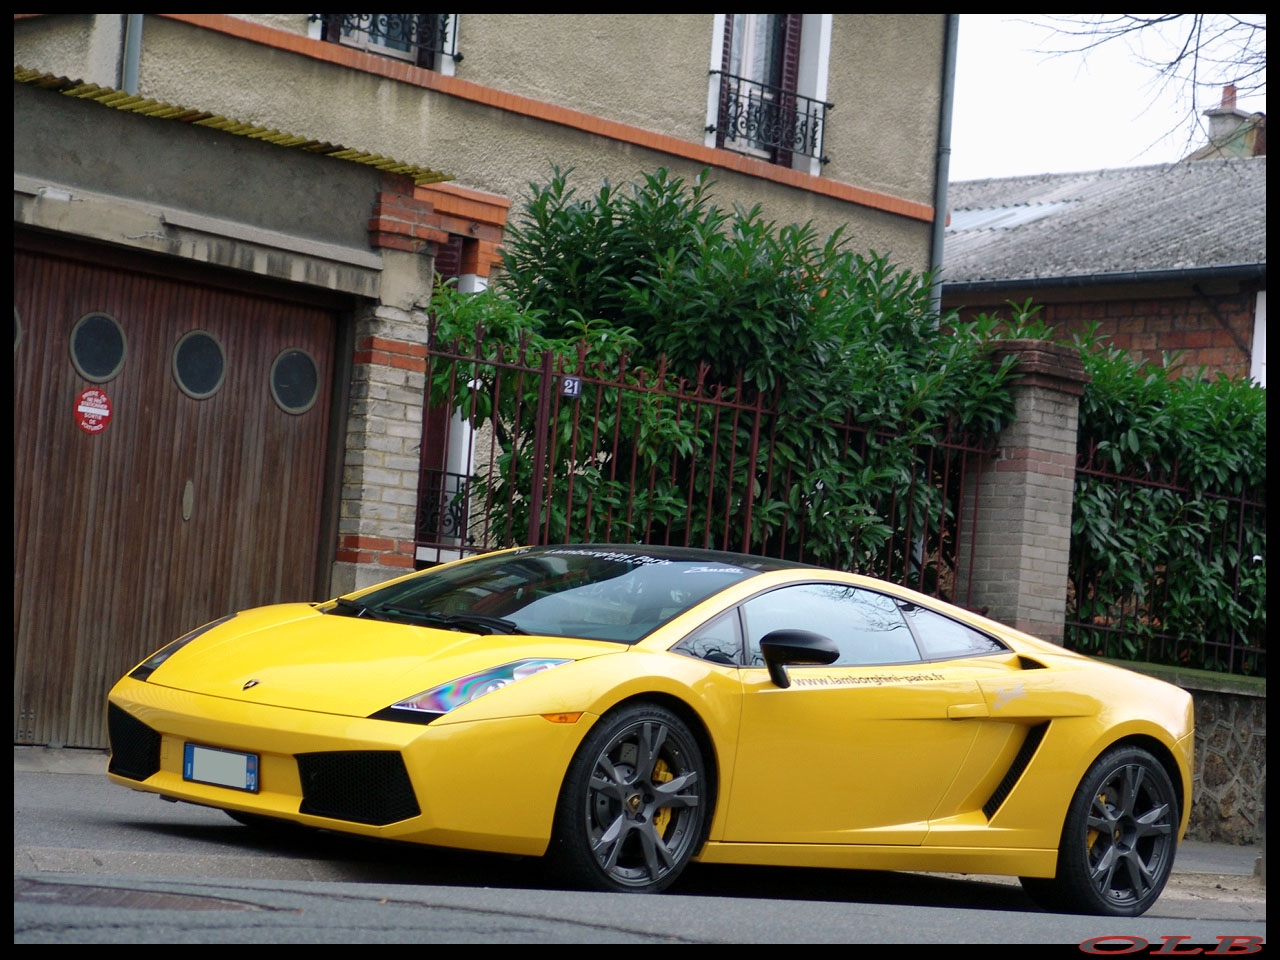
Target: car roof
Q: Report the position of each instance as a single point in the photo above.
(664, 552)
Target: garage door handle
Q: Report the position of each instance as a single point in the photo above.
(964, 711)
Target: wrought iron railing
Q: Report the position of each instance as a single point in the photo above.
(1144, 599)
(443, 507)
(567, 451)
(757, 118)
(422, 37)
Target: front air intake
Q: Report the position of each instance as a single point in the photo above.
(135, 747)
(363, 786)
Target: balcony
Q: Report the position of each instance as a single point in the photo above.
(422, 38)
(769, 122)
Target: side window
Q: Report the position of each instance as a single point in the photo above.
(865, 625)
(718, 641)
(942, 638)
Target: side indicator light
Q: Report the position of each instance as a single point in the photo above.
(563, 717)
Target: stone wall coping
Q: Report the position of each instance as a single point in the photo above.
(1051, 363)
(1205, 680)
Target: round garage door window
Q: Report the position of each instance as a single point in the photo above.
(98, 347)
(199, 364)
(295, 381)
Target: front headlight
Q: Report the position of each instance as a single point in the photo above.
(148, 666)
(436, 702)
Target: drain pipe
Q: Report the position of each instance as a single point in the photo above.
(132, 53)
(950, 42)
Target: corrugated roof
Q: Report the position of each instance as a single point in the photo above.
(992, 217)
(1178, 216)
(130, 103)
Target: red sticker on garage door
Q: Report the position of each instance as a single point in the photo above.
(93, 410)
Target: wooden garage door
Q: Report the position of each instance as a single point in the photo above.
(154, 497)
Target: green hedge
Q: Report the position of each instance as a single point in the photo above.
(657, 274)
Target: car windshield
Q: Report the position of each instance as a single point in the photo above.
(592, 592)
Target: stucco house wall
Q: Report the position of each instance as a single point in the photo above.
(243, 153)
(649, 72)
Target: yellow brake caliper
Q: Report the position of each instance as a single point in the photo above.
(1092, 836)
(661, 774)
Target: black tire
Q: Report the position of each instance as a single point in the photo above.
(1118, 841)
(632, 809)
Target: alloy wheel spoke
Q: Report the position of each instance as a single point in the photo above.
(678, 792)
(657, 857)
(1101, 824)
(610, 788)
(609, 843)
(1155, 822)
(1103, 871)
(606, 779)
(648, 746)
(1130, 783)
(1104, 810)
(1140, 878)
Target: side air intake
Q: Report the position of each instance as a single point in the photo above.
(1016, 769)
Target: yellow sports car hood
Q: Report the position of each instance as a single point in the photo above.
(293, 656)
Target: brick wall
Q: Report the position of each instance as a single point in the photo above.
(1211, 331)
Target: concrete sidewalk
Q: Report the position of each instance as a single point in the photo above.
(1194, 856)
(1197, 856)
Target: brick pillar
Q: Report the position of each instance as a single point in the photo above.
(378, 506)
(1017, 564)
(379, 499)
(382, 458)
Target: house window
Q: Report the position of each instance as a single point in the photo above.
(427, 40)
(767, 88)
(756, 46)
(98, 347)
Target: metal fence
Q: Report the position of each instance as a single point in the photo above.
(1141, 546)
(521, 448)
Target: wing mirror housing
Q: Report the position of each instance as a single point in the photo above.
(782, 647)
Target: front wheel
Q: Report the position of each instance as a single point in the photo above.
(1118, 841)
(632, 807)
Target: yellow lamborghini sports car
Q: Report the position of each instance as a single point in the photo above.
(622, 710)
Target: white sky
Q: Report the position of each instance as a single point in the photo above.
(1018, 111)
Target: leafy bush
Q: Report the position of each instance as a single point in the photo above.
(1169, 536)
(655, 287)
(657, 284)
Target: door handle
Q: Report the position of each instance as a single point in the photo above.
(967, 711)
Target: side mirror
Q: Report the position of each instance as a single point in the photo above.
(795, 646)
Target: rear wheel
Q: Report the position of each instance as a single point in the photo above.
(632, 807)
(1118, 841)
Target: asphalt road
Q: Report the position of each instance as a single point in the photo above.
(95, 863)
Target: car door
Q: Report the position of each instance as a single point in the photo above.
(860, 751)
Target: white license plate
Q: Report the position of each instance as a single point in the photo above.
(225, 768)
